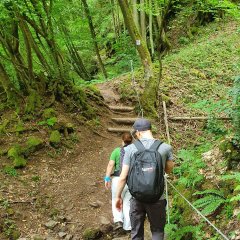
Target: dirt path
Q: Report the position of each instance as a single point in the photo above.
(77, 187)
(61, 192)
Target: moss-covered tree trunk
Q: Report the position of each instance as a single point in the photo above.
(137, 39)
(135, 13)
(149, 96)
(143, 20)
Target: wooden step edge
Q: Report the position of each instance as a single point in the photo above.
(121, 108)
(119, 130)
(125, 120)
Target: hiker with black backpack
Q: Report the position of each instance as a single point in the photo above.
(121, 218)
(144, 164)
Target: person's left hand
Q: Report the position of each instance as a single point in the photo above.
(107, 185)
(119, 204)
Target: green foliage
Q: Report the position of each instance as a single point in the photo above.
(212, 199)
(183, 40)
(10, 229)
(228, 211)
(188, 232)
(190, 162)
(205, 11)
(236, 178)
(50, 121)
(9, 170)
(236, 109)
(216, 8)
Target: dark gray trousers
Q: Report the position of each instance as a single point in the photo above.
(156, 213)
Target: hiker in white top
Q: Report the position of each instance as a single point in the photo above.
(121, 218)
(156, 211)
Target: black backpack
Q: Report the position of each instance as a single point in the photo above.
(146, 174)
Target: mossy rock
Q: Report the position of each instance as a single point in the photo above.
(33, 144)
(55, 138)
(64, 127)
(230, 152)
(48, 113)
(19, 162)
(92, 233)
(34, 141)
(14, 151)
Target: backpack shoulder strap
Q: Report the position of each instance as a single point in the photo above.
(138, 144)
(156, 145)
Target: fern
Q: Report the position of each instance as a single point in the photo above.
(236, 177)
(235, 198)
(175, 233)
(210, 191)
(212, 200)
(213, 206)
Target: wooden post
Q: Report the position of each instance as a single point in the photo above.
(166, 121)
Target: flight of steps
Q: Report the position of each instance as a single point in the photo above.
(123, 118)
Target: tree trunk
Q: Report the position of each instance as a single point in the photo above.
(86, 9)
(75, 58)
(137, 39)
(114, 19)
(151, 28)
(135, 13)
(149, 97)
(143, 20)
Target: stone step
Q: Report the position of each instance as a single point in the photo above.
(127, 120)
(121, 108)
(119, 130)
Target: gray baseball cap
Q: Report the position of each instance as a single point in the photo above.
(142, 124)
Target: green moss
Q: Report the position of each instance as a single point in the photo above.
(19, 162)
(55, 137)
(14, 151)
(89, 113)
(34, 141)
(33, 102)
(230, 152)
(149, 99)
(48, 113)
(33, 144)
(127, 92)
(91, 233)
(166, 98)
(4, 125)
(19, 127)
(94, 89)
